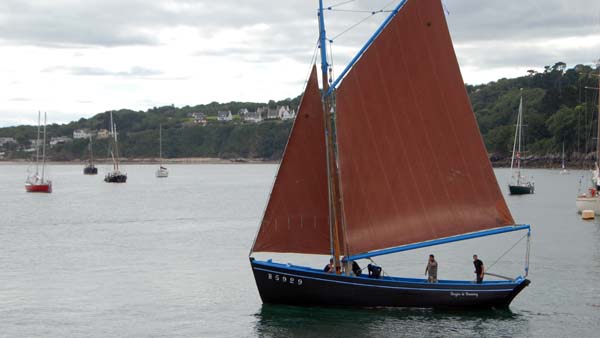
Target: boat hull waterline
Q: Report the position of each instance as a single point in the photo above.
(115, 178)
(47, 188)
(294, 285)
(521, 189)
(90, 170)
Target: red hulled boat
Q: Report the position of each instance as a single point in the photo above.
(37, 182)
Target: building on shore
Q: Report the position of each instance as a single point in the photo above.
(6, 141)
(224, 116)
(102, 134)
(82, 134)
(54, 141)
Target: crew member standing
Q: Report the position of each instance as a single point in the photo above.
(431, 268)
(479, 269)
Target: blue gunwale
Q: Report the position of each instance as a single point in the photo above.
(416, 281)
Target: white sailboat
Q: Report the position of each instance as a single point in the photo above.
(518, 183)
(590, 199)
(563, 170)
(37, 182)
(162, 171)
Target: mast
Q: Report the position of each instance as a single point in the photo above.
(520, 138)
(115, 152)
(563, 155)
(598, 135)
(160, 143)
(332, 172)
(91, 152)
(44, 149)
(37, 148)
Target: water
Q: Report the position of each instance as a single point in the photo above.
(168, 258)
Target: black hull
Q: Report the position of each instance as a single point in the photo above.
(520, 189)
(110, 178)
(293, 285)
(90, 170)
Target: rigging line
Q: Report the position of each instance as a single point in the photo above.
(312, 62)
(384, 9)
(506, 252)
(352, 27)
(339, 4)
(360, 11)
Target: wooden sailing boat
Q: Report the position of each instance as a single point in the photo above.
(90, 169)
(37, 182)
(591, 200)
(115, 176)
(162, 170)
(365, 169)
(519, 184)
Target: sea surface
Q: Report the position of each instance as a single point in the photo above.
(169, 258)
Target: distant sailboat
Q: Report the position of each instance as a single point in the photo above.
(115, 176)
(591, 200)
(162, 170)
(90, 169)
(563, 170)
(519, 184)
(37, 182)
(394, 163)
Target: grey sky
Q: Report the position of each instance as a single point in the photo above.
(78, 58)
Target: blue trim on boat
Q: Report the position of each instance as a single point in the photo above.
(440, 241)
(386, 286)
(366, 46)
(270, 263)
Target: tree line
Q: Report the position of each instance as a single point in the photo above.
(560, 107)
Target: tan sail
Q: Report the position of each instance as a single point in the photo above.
(297, 216)
(413, 166)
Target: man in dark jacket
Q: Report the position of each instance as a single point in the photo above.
(479, 269)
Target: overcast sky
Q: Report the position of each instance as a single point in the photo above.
(77, 58)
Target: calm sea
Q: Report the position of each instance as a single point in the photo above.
(169, 258)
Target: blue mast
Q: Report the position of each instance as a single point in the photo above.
(323, 47)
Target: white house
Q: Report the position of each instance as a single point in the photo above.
(7, 140)
(102, 134)
(82, 133)
(284, 113)
(199, 118)
(253, 117)
(60, 140)
(224, 116)
(271, 114)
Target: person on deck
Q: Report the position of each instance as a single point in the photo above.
(431, 270)
(329, 268)
(479, 269)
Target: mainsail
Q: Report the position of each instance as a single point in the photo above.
(297, 216)
(413, 166)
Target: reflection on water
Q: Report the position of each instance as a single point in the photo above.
(292, 321)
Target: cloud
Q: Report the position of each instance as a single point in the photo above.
(192, 51)
(136, 72)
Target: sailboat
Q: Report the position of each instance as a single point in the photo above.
(115, 176)
(563, 169)
(162, 170)
(519, 184)
(37, 182)
(90, 169)
(388, 159)
(591, 200)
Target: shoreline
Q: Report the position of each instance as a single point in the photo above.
(498, 164)
(149, 161)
